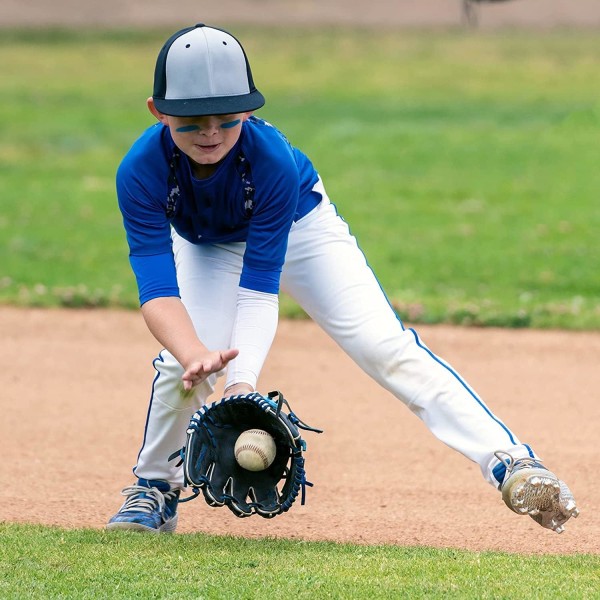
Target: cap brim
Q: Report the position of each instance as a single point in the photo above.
(197, 107)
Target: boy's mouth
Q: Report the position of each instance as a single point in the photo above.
(208, 147)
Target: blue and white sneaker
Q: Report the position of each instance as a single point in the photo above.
(531, 489)
(150, 506)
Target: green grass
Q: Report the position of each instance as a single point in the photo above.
(41, 562)
(466, 164)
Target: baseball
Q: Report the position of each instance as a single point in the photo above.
(255, 450)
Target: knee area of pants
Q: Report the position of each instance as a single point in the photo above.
(169, 390)
(176, 398)
(380, 350)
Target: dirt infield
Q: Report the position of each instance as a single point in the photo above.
(74, 398)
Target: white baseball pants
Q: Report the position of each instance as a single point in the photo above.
(327, 274)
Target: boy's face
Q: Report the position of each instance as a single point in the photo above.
(206, 140)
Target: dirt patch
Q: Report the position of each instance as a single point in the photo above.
(386, 13)
(74, 398)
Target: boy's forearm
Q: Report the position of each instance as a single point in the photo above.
(169, 322)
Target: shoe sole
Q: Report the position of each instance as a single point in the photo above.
(168, 527)
(532, 491)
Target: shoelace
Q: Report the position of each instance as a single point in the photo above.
(143, 499)
(511, 463)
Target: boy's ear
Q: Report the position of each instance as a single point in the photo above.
(152, 108)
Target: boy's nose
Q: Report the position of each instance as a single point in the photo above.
(210, 126)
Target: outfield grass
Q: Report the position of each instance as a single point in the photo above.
(41, 562)
(467, 165)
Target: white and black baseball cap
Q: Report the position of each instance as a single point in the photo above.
(202, 70)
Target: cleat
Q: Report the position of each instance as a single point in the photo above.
(531, 489)
(151, 508)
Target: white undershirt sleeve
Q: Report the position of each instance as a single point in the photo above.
(253, 333)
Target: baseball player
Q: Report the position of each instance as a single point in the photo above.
(221, 212)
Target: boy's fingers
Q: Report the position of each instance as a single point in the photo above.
(230, 354)
(197, 372)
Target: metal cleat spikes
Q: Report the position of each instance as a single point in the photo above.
(530, 489)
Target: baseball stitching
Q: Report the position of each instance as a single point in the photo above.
(256, 449)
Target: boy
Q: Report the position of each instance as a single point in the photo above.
(220, 211)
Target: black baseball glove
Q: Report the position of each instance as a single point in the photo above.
(209, 463)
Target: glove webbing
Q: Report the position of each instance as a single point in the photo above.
(299, 482)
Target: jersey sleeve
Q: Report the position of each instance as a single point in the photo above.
(139, 189)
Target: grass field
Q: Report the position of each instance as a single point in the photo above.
(39, 562)
(465, 164)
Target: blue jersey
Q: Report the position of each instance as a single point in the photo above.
(260, 188)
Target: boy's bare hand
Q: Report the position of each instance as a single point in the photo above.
(212, 362)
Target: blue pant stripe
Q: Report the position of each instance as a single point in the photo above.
(463, 383)
(531, 452)
(158, 358)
